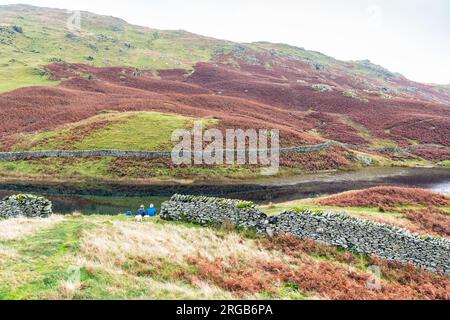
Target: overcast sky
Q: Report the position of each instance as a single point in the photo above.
(407, 36)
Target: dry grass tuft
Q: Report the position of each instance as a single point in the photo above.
(115, 244)
(19, 228)
(162, 253)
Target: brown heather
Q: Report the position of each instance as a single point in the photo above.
(386, 197)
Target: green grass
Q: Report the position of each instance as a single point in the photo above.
(107, 168)
(47, 259)
(140, 131)
(13, 77)
(87, 168)
(307, 204)
(43, 262)
(150, 131)
(445, 163)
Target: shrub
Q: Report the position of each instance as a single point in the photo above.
(386, 197)
(322, 88)
(432, 154)
(245, 204)
(354, 95)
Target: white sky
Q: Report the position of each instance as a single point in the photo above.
(407, 36)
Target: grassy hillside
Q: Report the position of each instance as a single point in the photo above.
(113, 257)
(130, 171)
(102, 41)
(32, 37)
(112, 85)
(150, 131)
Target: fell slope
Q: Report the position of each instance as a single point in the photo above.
(120, 259)
(418, 210)
(45, 37)
(111, 66)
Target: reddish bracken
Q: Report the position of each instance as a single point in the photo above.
(332, 127)
(404, 281)
(386, 197)
(333, 158)
(334, 276)
(247, 96)
(295, 247)
(431, 220)
(432, 154)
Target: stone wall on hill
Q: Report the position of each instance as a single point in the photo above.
(27, 155)
(357, 235)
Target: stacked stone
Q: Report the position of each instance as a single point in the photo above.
(366, 237)
(25, 205)
(27, 155)
(357, 235)
(214, 211)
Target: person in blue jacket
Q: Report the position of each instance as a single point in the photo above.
(141, 211)
(151, 211)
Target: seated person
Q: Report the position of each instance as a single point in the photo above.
(141, 211)
(151, 211)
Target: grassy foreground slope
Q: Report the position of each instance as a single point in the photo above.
(113, 257)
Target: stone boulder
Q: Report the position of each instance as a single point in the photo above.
(25, 205)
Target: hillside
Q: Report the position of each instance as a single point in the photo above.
(102, 41)
(55, 78)
(417, 210)
(113, 257)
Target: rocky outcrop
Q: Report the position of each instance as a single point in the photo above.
(25, 205)
(357, 235)
(322, 88)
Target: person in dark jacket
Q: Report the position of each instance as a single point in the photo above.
(141, 211)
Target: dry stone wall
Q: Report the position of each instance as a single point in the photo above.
(357, 235)
(26, 155)
(25, 205)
